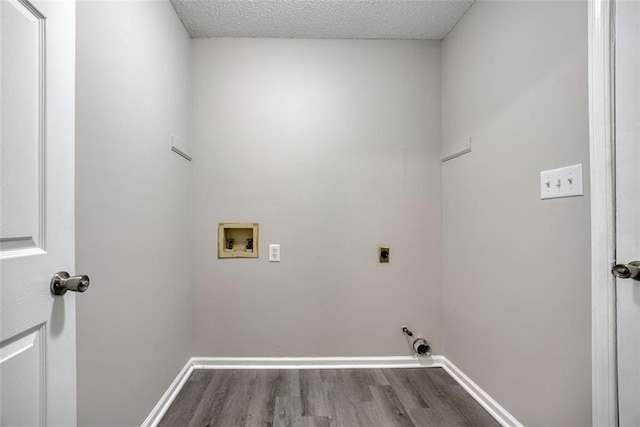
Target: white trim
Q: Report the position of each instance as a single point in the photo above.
(169, 396)
(495, 410)
(601, 143)
(181, 147)
(315, 362)
(21, 253)
(465, 150)
(500, 414)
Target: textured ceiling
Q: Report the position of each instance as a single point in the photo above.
(331, 19)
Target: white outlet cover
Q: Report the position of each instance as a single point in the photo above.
(274, 253)
(561, 182)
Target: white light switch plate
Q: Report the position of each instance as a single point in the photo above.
(274, 253)
(562, 182)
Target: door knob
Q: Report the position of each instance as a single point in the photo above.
(61, 282)
(627, 271)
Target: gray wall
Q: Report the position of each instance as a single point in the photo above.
(516, 268)
(333, 147)
(134, 323)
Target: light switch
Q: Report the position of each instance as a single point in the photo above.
(562, 182)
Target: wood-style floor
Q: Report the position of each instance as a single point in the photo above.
(326, 397)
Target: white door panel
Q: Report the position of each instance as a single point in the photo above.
(37, 99)
(627, 95)
(22, 380)
(21, 54)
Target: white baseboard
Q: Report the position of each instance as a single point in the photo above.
(315, 362)
(498, 412)
(168, 397)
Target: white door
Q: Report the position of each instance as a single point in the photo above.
(37, 329)
(627, 137)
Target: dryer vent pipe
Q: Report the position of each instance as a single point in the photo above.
(420, 345)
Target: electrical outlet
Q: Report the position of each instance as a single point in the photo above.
(274, 253)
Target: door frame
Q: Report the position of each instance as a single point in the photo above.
(601, 15)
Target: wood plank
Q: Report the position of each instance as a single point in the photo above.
(342, 403)
(390, 406)
(435, 397)
(288, 383)
(400, 380)
(314, 396)
(288, 411)
(427, 417)
(213, 399)
(314, 422)
(270, 384)
(186, 402)
(439, 376)
(262, 399)
(475, 414)
(443, 394)
(234, 410)
(354, 385)
(370, 414)
(327, 397)
(369, 376)
(330, 375)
